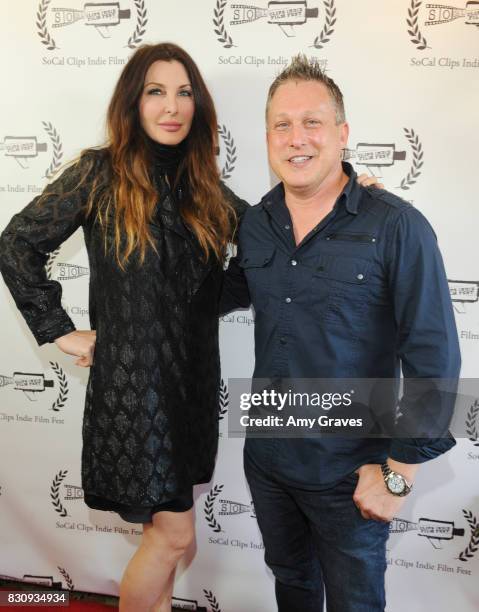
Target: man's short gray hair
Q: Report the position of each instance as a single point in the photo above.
(303, 69)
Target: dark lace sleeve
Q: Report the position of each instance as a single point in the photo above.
(31, 235)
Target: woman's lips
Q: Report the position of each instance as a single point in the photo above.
(170, 127)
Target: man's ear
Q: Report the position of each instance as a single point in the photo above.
(344, 134)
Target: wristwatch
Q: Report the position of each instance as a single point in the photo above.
(395, 483)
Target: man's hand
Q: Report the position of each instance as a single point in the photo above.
(369, 181)
(371, 496)
(79, 343)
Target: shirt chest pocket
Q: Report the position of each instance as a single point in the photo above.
(257, 266)
(340, 288)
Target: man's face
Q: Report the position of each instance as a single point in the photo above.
(304, 141)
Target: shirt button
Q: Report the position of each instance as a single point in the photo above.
(287, 227)
(282, 341)
(360, 276)
(288, 300)
(294, 262)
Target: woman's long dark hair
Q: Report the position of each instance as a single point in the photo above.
(132, 198)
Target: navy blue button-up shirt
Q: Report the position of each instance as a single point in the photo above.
(364, 294)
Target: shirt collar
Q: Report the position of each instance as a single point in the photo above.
(274, 199)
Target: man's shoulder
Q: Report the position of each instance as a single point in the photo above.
(381, 201)
(256, 210)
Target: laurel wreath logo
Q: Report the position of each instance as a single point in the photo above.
(230, 152)
(208, 509)
(57, 149)
(55, 493)
(141, 21)
(218, 20)
(328, 28)
(224, 399)
(215, 606)
(41, 22)
(473, 545)
(50, 261)
(63, 393)
(416, 37)
(471, 423)
(69, 581)
(417, 162)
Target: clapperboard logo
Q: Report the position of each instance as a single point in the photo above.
(61, 492)
(217, 508)
(64, 271)
(179, 603)
(102, 17)
(45, 581)
(423, 18)
(463, 293)
(24, 149)
(33, 384)
(286, 17)
(376, 157)
(438, 532)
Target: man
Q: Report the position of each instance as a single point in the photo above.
(346, 282)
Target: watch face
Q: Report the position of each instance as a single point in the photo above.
(396, 483)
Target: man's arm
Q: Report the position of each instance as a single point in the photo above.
(428, 347)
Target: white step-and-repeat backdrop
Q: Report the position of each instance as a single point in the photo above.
(409, 71)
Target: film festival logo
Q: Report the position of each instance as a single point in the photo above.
(428, 15)
(192, 604)
(104, 17)
(23, 149)
(224, 400)
(61, 492)
(221, 507)
(472, 423)
(437, 532)
(63, 271)
(230, 152)
(462, 293)
(288, 17)
(33, 384)
(377, 157)
(44, 581)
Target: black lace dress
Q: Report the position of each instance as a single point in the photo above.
(150, 425)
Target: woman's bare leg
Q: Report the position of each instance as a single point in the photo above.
(149, 576)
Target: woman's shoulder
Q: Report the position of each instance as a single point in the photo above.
(94, 157)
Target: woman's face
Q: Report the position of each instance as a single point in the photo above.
(166, 105)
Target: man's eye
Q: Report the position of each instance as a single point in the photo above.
(312, 122)
(281, 126)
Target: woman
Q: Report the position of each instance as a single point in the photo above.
(156, 222)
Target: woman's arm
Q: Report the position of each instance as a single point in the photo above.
(31, 235)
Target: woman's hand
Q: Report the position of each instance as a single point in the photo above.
(369, 181)
(79, 343)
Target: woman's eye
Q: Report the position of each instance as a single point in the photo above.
(186, 92)
(155, 91)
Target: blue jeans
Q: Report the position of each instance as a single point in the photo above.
(317, 543)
